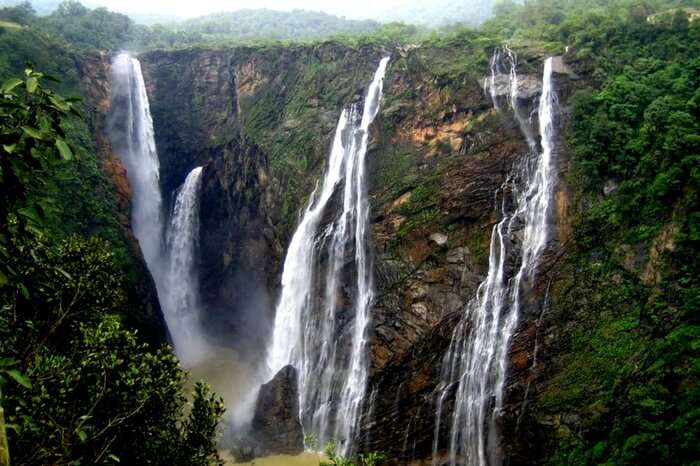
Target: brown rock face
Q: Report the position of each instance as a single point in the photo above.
(425, 186)
(237, 247)
(276, 425)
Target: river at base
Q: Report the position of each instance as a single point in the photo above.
(304, 459)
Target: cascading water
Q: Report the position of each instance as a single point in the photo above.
(474, 367)
(332, 382)
(132, 138)
(172, 264)
(181, 301)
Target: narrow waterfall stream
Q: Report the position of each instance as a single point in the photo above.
(332, 375)
(475, 365)
(181, 301)
(131, 127)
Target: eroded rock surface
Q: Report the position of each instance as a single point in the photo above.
(276, 427)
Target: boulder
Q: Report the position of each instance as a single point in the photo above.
(276, 426)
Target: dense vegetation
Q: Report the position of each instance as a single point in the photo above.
(100, 28)
(77, 385)
(244, 25)
(629, 294)
(440, 12)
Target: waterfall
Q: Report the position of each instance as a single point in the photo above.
(475, 365)
(171, 263)
(133, 139)
(181, 304)
(332, 370)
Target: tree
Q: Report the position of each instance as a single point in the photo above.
(23, 13)
(32, 143)
(99, 394)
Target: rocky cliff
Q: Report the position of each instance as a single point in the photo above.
(260, 120)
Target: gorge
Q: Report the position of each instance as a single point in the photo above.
(475, 247)
(322, 325)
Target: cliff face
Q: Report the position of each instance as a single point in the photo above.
(260, 122)
(238, 246)
(446, 154)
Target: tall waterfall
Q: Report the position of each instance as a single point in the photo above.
(180, 301)
(475, 365)
(332, 368)
(133, 139)
(171, 263)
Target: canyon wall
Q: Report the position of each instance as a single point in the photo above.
(260, 121)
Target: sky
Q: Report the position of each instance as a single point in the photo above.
(190, 8)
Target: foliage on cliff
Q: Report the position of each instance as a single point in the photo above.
(624, 375)
(77, 386)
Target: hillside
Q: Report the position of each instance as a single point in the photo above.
(246, 25)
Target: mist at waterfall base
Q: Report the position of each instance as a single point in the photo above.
(475, 365)
(169, 243)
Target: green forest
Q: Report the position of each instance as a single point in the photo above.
(87, 376)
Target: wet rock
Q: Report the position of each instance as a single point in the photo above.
(560, 67)
(457, 255)
(528, 86)
(237, 246)
(439, 238)
(276, 425)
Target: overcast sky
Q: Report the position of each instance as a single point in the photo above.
(350, 8)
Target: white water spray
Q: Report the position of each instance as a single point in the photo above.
(332, 377)
(171, 263)
(135, 144)
(475, 365)
(180, 301)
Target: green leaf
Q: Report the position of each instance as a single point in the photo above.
(9, 104)
(9, 85)
(9, 148)
(12, 427)
(114, 458)
(63, 148)
(64, 273)
(32, 84)
(20, 378)
(83, 436)
(25, 292)
(33, 132)
(59, 103)
(4, 362)
(31, 213)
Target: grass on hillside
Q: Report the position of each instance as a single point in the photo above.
(10, 25)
